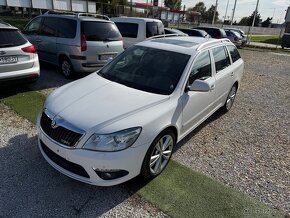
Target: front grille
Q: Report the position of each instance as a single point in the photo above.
(59, 134)
(67, 165)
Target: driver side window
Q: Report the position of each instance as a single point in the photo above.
(201, 68)
(33, 27)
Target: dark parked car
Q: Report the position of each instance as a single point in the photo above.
(174, 31)
(242, 33)
(286, 40)
(195, 32)
(214, 32)
(235, 37)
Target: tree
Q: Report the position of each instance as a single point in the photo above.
(199, 7)
(267, 22)
(257, 19)
(244, 21)
(208, 15)
(173, 4)
(247, 21)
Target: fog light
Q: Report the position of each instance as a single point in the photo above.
(111, 174)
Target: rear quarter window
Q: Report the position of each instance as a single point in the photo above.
(221, 58)
(67, 28)
(234, 53)
(129, 30)
(100, 31)
(11, 38)
(154, 29)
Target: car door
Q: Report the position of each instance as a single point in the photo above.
(223, 74)
(32, 31)
(197, 106)
(47, 40)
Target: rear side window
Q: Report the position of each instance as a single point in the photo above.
(221, 58)
(49, 26)
(129, 30)
(201, 68)
(66, 28)
(154, 29)
(11, 38)
(234, 53)
(100, 31)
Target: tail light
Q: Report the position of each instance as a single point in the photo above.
(83, 43)
(236, 39)
(219, 37)
(30, 49)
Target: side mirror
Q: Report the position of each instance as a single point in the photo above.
(199, 86)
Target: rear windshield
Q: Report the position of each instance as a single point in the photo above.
(129, 30)
(100, 31)
(154, 29)
(10, 38)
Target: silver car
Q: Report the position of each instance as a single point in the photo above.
(235, 37)
(76, 42)
(18, 57)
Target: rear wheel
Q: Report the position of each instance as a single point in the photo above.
(66, 67)
(158, 154)
(230, 99)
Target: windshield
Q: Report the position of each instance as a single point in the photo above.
(100, 31)
(147, 69)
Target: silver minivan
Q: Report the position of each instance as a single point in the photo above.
(76, 42)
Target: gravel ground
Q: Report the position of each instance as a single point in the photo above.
(29, 187)
(249, 147)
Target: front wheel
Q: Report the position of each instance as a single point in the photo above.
(158, 154)
(230, 99)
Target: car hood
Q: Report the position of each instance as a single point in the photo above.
(97, 102)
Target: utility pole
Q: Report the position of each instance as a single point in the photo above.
(214, 14)
(234, 10)
(226, 13)
(254, 19)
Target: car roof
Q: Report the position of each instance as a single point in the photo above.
(182, 44)
(4, 25)
(135, 19)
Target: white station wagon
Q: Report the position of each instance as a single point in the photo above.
(126, 118)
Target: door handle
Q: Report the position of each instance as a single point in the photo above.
(232, 74)
(38, 40)
(211, 87)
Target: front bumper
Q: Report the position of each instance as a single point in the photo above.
(129, 159)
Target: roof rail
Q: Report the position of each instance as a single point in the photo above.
(165, 35)
(76, 14)
(93, 15)
(211, 43)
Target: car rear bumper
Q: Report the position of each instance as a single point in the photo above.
(30, 74)
(83, 66)
(83, 165)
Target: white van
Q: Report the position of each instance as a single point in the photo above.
(137, 29)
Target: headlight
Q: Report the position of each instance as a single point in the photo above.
(113, 142)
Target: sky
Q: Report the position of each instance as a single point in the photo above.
(244, 8)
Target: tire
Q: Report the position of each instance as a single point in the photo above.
(66, 67)
(155, 162)
(230, 99)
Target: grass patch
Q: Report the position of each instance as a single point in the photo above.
(178, 191)
(181, 192)
(27, 104)
(267, 39)
(17, 22)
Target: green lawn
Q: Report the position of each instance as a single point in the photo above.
(178, 191)
(267, 39)
(17, 22)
